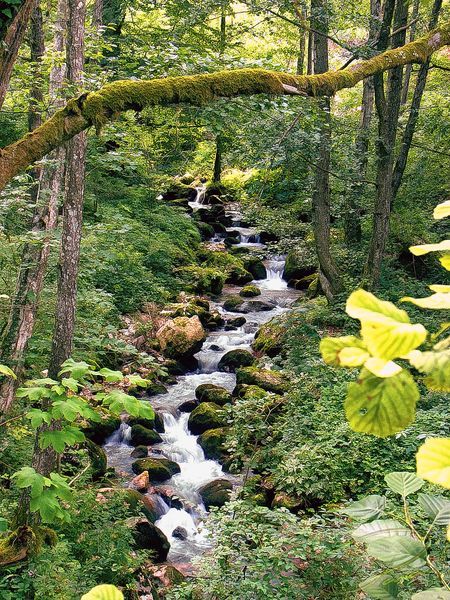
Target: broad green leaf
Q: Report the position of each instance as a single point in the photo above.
(442, 210)
(433, 461)
(443, 246)
(3, 525)
(70, 383)
(380, 587)
(34, 393)
(382, 368)
(381, 406)
(432, 505)
(58, 439)
(403, 482)
(4, 370)
(432, 594)
(438, 301)
(436, 365)
(47, 505)
(445, 261)
(399, 552)
(391, 339)
(365, 306)
(348, 348)
(77, 370)
(111, 376)
(138, 380)
(37, 417)
(28, 477)
(103, 592)
(379, 528)
(62, 488)
(367, 509)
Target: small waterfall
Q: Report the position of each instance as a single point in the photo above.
(200, 198)
(274, 280)
(120, 436)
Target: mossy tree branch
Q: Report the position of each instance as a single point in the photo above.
(97, 108)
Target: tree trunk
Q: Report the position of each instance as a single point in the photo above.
(412, 34)
(217, 171)
(302, 42)
(328, 272)
(310, 60)
(9, 47)
(388, 110)
(35, 256)
(413, 116)
(352, 218)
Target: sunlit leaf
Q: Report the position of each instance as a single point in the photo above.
(443, 246)
(436, 365)
(71, 384)
(433, 461)
(364, 306)
(390, 340)
(438, 301)
(367, 509)
(442, 210)
(379, 528)
(58, 439)
(37, 417)
(103, 592)
(398, 551)
(380, 587)
(4, 370)
(445, 261)
(432, 505)
(346, 349)
(403, 482)
(381, 406)
(439, 288)
(381, 367)
(111, 376)
(432, 594)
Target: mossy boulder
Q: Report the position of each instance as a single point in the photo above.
(139, 452)
(216, 493)
(271, 381)
(212, 443)
(147, 536)
(159, 469)
(236, 322)
(250, 291)
(157, 423)
(98, 459)
(207, 415)
(269, 337)
(238, 276)
(255, 266)
(181, 337)
(155, 389)
(203, 280)
(232, 303)
(234, 359)
(179, 190)
(231, 241)
(208, 392)
(99, 432)
(283, 500)
(206, 230)
(188, 406)
(142, 436)
(300, 262)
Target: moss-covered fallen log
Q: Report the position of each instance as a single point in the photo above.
(97, 108)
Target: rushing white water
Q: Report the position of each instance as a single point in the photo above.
(199, 201)
(178, 443)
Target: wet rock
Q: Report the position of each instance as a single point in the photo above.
(169, 496)
(234, 359)
(139, 452)
(231, 241)
(215, 348)
(283, 500)
(142, 503)
(141, 482)
(212, 443)
(256, 267)
(215, 320)
(206, 416)
(157, 423)
(271, 381)
(206, 230)
(181, 337)
(237, 321)
(249, 291)
(266, 236)
(216, 493)
(300, 262)
(98, 458)
(258, 306)
(155, 389)
(238, 276)
(147, 536)
(218, 227)
(208, 392)
(179, 190)
(159, 469)
(188, 406)
(213, 200)
(232, 303)
(142, 436)
(269, 337)
(180, 533)
(99, 432)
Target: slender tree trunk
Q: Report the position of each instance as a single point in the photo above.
(388, 110)
(352, 218)
(217, 171)
(9, 47)
(302, 42)
(310, 59)
(73, 204)
(22, 316)
(413, 116)
(328, 272)
(412, 34)
(223, 28)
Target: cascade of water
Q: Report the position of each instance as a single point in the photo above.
(120, 436)
(199, 201)
(275, 269)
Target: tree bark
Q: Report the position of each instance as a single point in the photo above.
(217, 170)
(97, 108)
(9, 48)
(412, 35)
(22, 316)
(302, 41)
(328, 273)
(413, 116)
(73, 204)
(352, 218)
(388, 110)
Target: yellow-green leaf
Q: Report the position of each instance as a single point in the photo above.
(445, 261)
(4, 370)
(440, 288)
(436, 365)
(392, 339)
(381, 406)
(433, 461)
(332, 350)
(103, 592)
(382, 368)
(438, 301)
(442, 210)
(365, 306)
(443, 246)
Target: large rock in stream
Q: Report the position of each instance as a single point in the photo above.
(266, 379)
(216, 493)
(149, 537)
(159, 469)
(208, 392)
(182, 337)
(142, 436)
(234, 359)
(206, 416)
(212, 443)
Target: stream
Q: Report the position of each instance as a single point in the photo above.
(178, 443)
